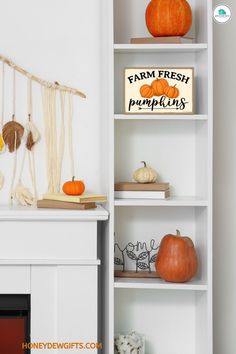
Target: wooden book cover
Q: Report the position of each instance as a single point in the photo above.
(84, 198)
(161, 40)
(54, 204)
(134, 186)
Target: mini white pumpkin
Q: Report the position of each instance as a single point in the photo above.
(145, 174)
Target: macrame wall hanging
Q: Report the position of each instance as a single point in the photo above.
(15, 136)
(2, 143)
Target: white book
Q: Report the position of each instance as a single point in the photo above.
(142, 194)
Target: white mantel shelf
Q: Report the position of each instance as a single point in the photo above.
(22, 262)
(18, 213)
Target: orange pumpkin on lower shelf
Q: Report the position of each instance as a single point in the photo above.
(176, 259)
(73, 187)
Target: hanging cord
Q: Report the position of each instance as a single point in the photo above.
(61, 140)
(15, 143)
(14, 94)
(3, 95)
(31, 156)
(2, 143)
(13, 173)
(70, 133)
(49, 108)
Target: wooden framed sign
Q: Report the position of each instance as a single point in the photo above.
(159, 90)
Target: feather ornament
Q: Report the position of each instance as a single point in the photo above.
(31, 135)
(2, 144)
(23, 195)
(12, 133)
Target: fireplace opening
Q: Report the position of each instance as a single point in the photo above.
(14, 323)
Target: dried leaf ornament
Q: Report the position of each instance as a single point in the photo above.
(23, 195)
(31, 135)
(12, 133)
(1, 180)
(2, 144)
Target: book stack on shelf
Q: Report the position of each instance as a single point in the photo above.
(73, 202)
(133, 190)
(162, 40)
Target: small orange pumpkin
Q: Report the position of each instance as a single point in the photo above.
(176, 259)
(73, 187)
(171, 91)
(146, 91)
(168, 18)
(159, 86)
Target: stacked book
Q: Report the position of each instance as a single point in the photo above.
(162, 40)
(73, 202)
(133, 190)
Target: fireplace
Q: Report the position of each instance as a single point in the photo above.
(14, 323)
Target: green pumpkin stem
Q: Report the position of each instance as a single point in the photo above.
(73, 178)
(178, 233)
(145, 165)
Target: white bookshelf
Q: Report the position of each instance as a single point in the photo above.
(175, 318)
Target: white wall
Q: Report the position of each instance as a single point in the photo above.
(57, 40)
(224, 185)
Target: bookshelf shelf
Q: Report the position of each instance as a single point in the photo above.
(163, 117)
(174, 201)
(158, 284)
(158, 48)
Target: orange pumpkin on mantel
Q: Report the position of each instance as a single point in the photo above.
(168, 17)
(73, 187)
(176, 259)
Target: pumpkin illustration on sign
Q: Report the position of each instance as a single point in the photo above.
(145, 174)
(168, 18)
(176, 259)
(146, 91)
(171, 91)
(159, 86)
(74, 187)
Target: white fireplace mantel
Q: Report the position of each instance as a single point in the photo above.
(52, 255)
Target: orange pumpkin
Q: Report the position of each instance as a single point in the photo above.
(73, 187)
(146, 91)
(171, 91)
(159, 86)
(168, 17)
(176, 259)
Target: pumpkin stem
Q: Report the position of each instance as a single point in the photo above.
(145, 165)
(73, 178)
(178, 233)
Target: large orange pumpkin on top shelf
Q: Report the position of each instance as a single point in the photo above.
(176, 259)
(168, 17)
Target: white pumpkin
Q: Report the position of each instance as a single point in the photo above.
(145, 174)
